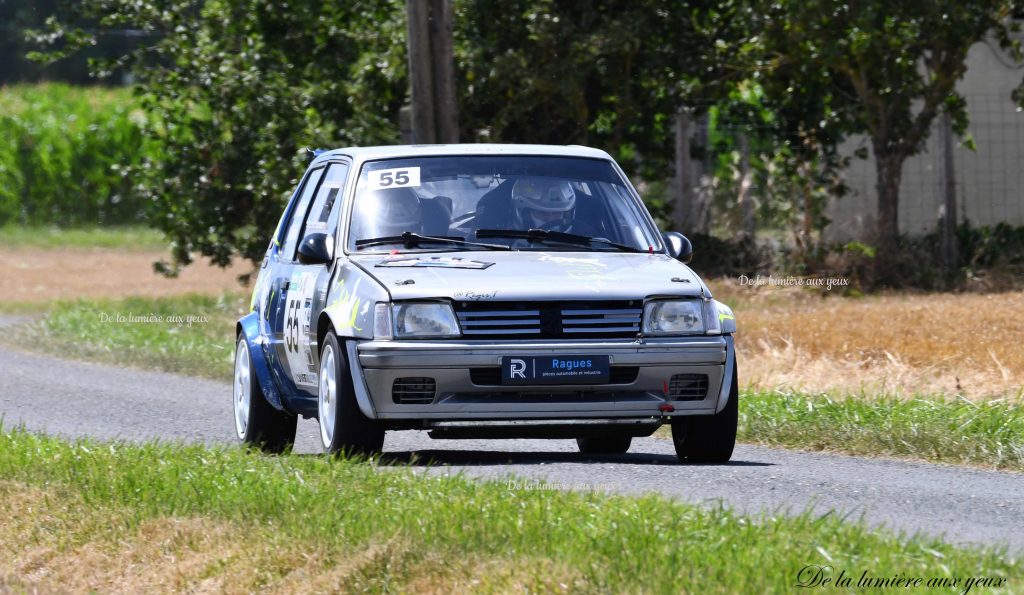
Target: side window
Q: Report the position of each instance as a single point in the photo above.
(323, 216)
(291, 239)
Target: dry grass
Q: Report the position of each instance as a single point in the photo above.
(905, 344)
(54, 542)
(35, 275)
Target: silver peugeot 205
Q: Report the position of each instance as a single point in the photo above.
(481, 291)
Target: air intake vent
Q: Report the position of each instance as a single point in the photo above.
(601, 321)
(500, 322)
(688, 387)
(413, 390)
(550, 320)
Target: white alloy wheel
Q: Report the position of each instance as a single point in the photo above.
(328, 398)
(242, 388)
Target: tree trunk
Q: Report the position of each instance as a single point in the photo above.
(889, 171)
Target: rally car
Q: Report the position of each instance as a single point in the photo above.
(481, 291)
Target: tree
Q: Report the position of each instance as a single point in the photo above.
(609, 74)
(236, 90)
(889, 68)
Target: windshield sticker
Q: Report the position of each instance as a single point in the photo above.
(590, 271)
(445, 262)
(405, 177)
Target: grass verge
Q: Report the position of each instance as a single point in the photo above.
(130, 237)
(151, 333)
(245, 521)
(988, 433)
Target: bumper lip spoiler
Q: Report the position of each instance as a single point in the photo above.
(514, 423)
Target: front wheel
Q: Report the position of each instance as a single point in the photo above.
(708, 438)
(257, 422)
(343, 427)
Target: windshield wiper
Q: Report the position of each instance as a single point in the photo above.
(559, 237)
(412, 240)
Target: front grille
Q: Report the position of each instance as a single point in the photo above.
(492, 376)
(550, 320)
(413, 390)
(688, 387)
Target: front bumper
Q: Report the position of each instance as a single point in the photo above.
(454, 365)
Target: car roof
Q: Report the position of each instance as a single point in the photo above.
(390, 151)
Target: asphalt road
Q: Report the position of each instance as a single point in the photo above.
(962, 505)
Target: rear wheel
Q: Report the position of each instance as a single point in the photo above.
(257, 422)
(604, 445)
(343, 427)
(708, 438)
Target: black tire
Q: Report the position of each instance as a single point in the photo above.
(708, 438)
(262, 425)
(351, 433)
(604, 445)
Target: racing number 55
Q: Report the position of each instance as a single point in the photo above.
(398, 178)
(291, 324)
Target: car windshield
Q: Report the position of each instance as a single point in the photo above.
(472, 202)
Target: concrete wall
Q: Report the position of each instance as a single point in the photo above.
(989, 181)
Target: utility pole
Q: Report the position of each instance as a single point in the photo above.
(683, 214)
(746, 201)
(947, 213)
(434, 115)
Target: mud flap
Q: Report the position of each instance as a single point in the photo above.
(730, 365)
(358, 382)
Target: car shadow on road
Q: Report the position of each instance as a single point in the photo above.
(434, 458)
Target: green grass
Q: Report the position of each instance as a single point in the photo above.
(942, 430)
(91, 329)
(130, 237)
(444, 530)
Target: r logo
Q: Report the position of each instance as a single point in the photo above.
(518, 368)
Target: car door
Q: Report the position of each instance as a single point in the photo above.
(304, 286)
(282, 262)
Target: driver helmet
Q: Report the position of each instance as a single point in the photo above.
(389, 212)
(544, 203)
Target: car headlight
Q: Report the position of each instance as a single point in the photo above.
(425, 319)
(673, 317)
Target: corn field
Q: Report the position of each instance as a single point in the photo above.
(64, 155)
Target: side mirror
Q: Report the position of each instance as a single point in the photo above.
(679, 247)
(315, 249)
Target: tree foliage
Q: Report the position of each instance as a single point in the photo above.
(236, 90)
(881, 68)
(610, 74)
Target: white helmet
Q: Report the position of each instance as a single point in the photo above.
(544, 203)
(389, 212)
(543, 194)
